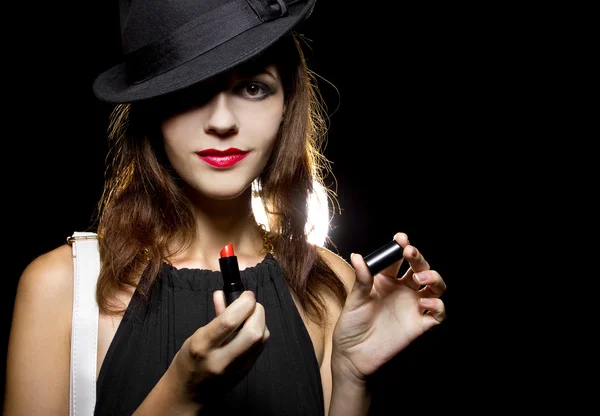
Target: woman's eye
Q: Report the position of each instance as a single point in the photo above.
(254, 90)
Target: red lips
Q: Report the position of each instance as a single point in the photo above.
(222, 158)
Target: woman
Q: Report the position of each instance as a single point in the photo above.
(213, 103)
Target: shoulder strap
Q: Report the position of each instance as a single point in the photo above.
(84, 328)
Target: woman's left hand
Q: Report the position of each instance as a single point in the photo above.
(383, 314)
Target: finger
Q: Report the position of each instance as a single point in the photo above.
(219, 301)
(230, 318)
(434, 285)
(434, 308)
(393, 269)
(363, 282)
(416, 261)
(409, 281)
(254, 333)
(402, 240)
(240, 364)
(417, 264)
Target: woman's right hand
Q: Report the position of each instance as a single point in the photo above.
(210, 362)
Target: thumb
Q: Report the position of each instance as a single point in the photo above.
(363, 284)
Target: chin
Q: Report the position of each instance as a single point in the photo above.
(225, 193)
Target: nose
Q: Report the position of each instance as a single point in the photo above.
(221, 119)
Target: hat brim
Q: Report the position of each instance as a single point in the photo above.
(112, 86)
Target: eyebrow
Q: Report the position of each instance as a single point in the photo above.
(265, 71)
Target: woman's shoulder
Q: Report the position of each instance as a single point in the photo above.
(40, 333)
(339, 266)
(49, 277)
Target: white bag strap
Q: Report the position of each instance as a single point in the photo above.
(84, 328)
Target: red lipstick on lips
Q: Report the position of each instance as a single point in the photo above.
(222, 158)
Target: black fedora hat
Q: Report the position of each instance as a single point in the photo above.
(171, 45)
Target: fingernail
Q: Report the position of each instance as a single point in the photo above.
(417, 278)
(398, 233)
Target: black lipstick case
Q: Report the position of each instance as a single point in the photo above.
(232, 281)
(383, 257)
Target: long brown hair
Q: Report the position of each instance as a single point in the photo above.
(143, 213)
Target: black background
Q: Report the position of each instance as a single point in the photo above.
(436, 108)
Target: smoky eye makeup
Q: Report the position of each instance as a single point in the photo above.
(254, 89)
(255, 82)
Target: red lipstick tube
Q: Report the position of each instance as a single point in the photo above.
(232, 282)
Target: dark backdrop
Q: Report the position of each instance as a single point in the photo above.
(428, 100)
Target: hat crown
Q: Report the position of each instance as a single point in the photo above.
(146, 21)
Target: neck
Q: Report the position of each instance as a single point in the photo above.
(219, 223)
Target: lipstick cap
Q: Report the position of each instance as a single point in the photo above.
(383, 257)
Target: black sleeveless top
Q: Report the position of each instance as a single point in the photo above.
(285, 379)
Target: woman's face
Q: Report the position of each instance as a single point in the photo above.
(222, 139)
